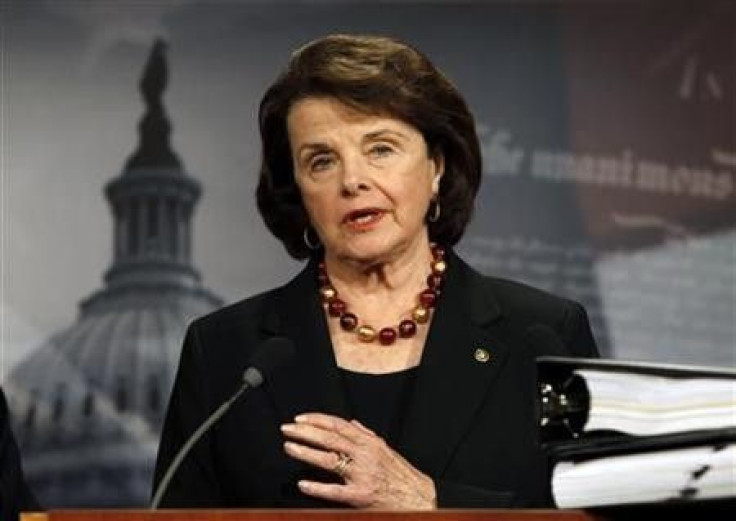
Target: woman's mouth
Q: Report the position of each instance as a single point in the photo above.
(364, 219)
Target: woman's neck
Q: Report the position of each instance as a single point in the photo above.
(406, 270)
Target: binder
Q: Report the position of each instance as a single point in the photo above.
(659, 467)
(565, 397)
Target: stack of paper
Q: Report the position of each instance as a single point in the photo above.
(637, 432)
(648, 405)
(668, 475)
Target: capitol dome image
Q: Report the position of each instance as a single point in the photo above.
(88, 404)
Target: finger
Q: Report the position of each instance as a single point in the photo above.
(327, 460)
(318, 437)
(330, 423)
(363, 427)
(330, 491)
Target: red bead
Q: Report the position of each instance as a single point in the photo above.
(434, 280)
(438, 252)
(348, 321)
(321, 266)
(323, 279)
(336, 307)
(427, 298)
(407, 328)
(387, 336)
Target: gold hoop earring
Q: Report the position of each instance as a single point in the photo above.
(312, 245)
(434, 216)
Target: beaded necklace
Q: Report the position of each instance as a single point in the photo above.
(407, 328)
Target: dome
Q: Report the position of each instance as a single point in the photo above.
(88, 404)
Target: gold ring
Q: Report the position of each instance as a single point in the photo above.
(343, 460)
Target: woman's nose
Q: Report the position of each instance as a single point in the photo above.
(354, 177)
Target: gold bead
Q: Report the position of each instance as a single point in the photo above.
(366, 334)
(327, 293)
(420, 314)
(439, 267)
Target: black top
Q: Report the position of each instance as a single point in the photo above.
(380, 401)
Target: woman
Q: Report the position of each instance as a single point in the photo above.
(413, 385)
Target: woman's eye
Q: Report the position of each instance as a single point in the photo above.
(381, 150)
(320, 163)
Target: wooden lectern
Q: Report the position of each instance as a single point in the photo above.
(719, 510)
(310, 515)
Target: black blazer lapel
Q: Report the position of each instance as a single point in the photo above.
(453, 379)
(312, 382)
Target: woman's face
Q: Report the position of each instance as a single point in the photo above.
(366, 180)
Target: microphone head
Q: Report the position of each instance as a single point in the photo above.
(267, 358)
(544, 341)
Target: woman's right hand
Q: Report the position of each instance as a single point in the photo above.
(375, 476)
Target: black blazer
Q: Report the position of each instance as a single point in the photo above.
(470, 425)
(15, 496)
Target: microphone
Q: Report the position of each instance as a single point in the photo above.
(268, 356)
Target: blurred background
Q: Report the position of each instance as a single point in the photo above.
(129, 162)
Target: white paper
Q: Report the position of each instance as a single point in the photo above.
(692, 473)
(647, 405)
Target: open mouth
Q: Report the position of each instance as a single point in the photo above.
(363, 217)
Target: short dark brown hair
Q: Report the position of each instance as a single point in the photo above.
(375, 75)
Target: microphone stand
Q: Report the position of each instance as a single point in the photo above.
(222, 409)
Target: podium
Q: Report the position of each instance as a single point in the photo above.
(310, 515)
(710, 510)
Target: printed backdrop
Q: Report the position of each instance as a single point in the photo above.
(609, 140)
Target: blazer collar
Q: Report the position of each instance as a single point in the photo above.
(452, 381)
(454, 374)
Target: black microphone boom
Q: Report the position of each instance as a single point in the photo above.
(267, 358)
